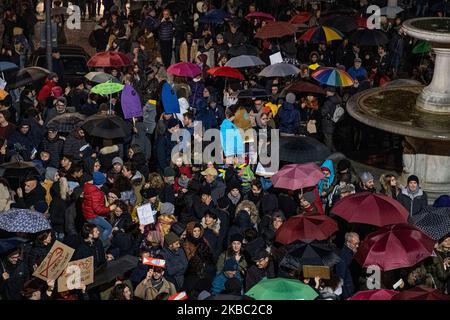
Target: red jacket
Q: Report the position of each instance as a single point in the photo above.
(93, 202)
(45, 91)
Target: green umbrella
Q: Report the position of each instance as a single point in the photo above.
(107, 88)
(422, 47)
(281, 289)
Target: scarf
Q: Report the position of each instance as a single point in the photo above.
(234, 200)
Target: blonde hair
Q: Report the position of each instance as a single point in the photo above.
(63, 188)
(155, 181)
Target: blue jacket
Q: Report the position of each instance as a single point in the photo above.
(204, 114)
(343, 271)
(231, 139)
(289, 117)
(360, 72)
(326, 183)
(218, 285)
(164, 147)
(176, 266)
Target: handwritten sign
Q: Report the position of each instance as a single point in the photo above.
(316, 271)
(77, 272)
(55, 262)
(145, 214)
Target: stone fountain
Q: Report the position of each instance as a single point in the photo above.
(421, 114)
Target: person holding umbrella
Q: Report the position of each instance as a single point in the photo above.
(342, 268)
(14, 274)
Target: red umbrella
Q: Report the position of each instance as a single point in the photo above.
(227, 72)
(304, 86)
(109, 59)
(260, 16)
(302, 227)
(361, 22)
(300, 18)
(297, 176)
(421, 293)
(184, 69)
(380, 294)
(394, 247)
(371, 208)
(275, 29)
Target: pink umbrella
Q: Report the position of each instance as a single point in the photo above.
(380, 294)
(260, 16)
(297, 176)
(184, 69)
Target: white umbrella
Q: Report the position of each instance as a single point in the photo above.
(244, 61)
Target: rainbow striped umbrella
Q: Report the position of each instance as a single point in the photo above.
(333, 77)
(321, 34)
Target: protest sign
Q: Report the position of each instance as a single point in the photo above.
(77, 272)
(55, 262)
(145, 214)
(131, 103)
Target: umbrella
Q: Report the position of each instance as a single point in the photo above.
(300, 18)
(369, 37)
(422, 47)
(17, 170)
(321, 35)
(109, 59)
(361, 22)
(215, 16)
(101, 77)
(380, 294)
(5, 66)
(303, 227)
(309, 253)
(113, 269)
(395, 246)
(340, 22)
(297, 176)
(244, 61)
(184, 69)
(304, 87)
(302, 150)
(26, 76)
(281, 289)
(390, 11)
(332, 77)
(107, 88)
(67, 121)
(421, 293)
(227, 72)
(275, 29)
(243, 49)
(370, 208)
(23, 220)
(435, 222)
(253, 93)
(10, 244)
(279, 70)
(260, 16)
(106, 126)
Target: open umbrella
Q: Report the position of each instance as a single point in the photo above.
(298, 149)
(253, 93)
(279, 70)
(303, 227)
(422, 47)
(26, 76)
(321, 35)
(7, 244)
(106, 126)
(281, 289)
(67, 121)
(421, 293)
(297, 176)
(109, 59)
(303, 87)
(435, 222)
(107, 88)
(300, 18)
(332, 77)
(215, 16)
(395, 246)
(260, 16)
(380, 294)
(390, 11)
(275, 29)
(361, 22)
(340, 22)
(113, 269)
(369, 37)
(184, 69)
(243, 49)
(16, 170)
(227, 72)
(5, 66)
(244, 61)
(101, 77)
(23, 220)
(370, 208)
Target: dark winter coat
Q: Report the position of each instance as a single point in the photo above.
(255, 275)
(343, 271)
(176, 266)
(164, 147)
(289, 118)
(73, 144)
(57, 209)
(327, 111)
(11, 289)
(55, 148)
(87, 249)
(413, 202)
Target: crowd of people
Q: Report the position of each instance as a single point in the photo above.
(215, 224)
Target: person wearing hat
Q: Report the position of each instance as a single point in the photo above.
(263, 268)
(45, 92)
(366, 183)
(412, 197)
(230, 271)
(154, 284)
(22, 141)
(165, 145)
(357, 70)
(14, 273)
(176, 260)
(326, 112)
(289, 116)
(117, 165)
(217, 186)
(166, 218)
(32, 193)
(167, 194)
(51, 176)
(54, 145)
(235, 250)
(325, 185)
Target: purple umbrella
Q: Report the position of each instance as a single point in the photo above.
(297, 176)
(184, 69)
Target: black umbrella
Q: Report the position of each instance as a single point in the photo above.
(435, 222)
(25, 77)
(106, 126)
(253, 93)
(369, 37)
(113, 269)
(299, 149)
(342, 23)
(17, 170)
(244, 49)
(67, 121)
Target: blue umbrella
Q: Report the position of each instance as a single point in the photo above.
(214, 16)
(10, 243)
(5, 66)
(23, 220)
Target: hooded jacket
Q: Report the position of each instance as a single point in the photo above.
(413, 202)
(73, 144)
(45, 91)
(146, 291)
(289, 118)
(176, 265)
(93, 202)
(325, 184)
(327, 111)
(54, 147)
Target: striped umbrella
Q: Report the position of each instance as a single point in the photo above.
(321, 35)
(333, 77)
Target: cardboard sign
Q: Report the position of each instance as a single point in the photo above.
(55, 262)
(316, 271)
(77, 272)
(145, 214)
(276, 58)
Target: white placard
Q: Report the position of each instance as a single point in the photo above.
(145, 214)
(276, 58)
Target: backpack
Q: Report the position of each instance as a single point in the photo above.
(339, 111)
(92, 40)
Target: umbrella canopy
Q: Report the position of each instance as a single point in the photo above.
(304, 87)
(390, 11)
(321, 35)
(369, 37)
(302, 150)
(5, 66)
(370, 208)
(253, 93)
(340, 22)
(309, 253)
(393, 247)
(332, 77)
(101, 77)
(26, 76)
(435, 222)
(244, 61)
(422, 47)
(302, 227)
(227, 72)
(297, 176)
(380, 294)
(275, 29)
(279, 70)
(10, 244)
(243, 49)
(106, 126)
(113, 269)
(109, 59)
(260, 16)
(17, 170)
(361, 22)
(281, 289)
(300, 18)
(23, 220)
(184, 69)
(215, 16)
(66, 122)
(107, 88)
(421, 293)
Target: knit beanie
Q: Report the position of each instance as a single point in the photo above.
(98, 178)
(50, 173)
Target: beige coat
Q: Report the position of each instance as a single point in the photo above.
(146, 291)
(184, 52)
